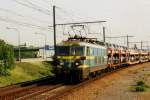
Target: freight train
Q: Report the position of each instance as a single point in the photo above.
(80, 58)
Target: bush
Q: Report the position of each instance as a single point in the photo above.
(141, 86)
(3, 71)
(6, 58)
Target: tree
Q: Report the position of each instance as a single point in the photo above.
(6, 58)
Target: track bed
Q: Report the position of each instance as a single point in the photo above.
(115, 86)
(109, 85)
(27, 89)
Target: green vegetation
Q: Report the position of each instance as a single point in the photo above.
(25, 53)
(140, 86)
(6, 58)
(26, 71)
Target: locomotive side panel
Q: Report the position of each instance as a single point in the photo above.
(98, 59)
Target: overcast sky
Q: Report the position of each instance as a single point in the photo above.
(123, 17)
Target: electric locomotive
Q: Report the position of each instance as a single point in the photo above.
(79, 58)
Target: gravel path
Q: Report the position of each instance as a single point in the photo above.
(117, 86)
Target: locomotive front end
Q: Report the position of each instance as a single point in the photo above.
(69, 61)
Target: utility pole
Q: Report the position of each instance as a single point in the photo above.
(19, 40)
(141, 44)
(122, 37)
(54, 26)
(147, 45)
(104, 34)
(127, 41)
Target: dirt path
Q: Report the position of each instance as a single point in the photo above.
(117, 86)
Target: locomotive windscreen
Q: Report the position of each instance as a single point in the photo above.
(62, 50)
(70, 51)
(77, 51)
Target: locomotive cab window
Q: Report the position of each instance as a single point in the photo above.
(77, 51)
(70, 50)
(62, 50)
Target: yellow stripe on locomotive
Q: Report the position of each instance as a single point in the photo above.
(75, 57)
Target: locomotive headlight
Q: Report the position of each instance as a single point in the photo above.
(58, 57)
(76, 63)
(61, 63)
(109, 51)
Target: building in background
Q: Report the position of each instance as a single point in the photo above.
(46, 52)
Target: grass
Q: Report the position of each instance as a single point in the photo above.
(140, 86)
(26, 71)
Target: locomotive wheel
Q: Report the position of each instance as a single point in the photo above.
(99, 72)
(92, 75)
(110, 69)
(103, 71)
(75, 76)
(79, 75)
(106, 70)
(80, 78)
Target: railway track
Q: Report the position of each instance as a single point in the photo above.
(42, 91)
(31, 87)
(39, 91)
(59, 92)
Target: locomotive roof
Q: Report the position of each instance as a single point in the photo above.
(96, 45)
(79, 43)
(93, 42)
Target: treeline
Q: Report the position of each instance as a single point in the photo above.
(6, 58)
(26, 54)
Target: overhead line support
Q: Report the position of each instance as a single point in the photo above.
(79, 23)
(54, 26)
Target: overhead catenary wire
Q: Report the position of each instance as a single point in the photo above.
(89, 22)
(22, 23)
(32, 7)
(20, 15)
(35, 5)
(61, 18)
(65, 12)
(48, 2)
(70, 13)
